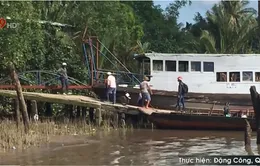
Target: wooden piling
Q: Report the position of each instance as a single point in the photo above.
(48, 109)
(98, 116)
(78, 115)
(116, 119)
(84, 112)
(247, 139)
(22, 103)
(91, 115)
(256, 104)
(248, 132)
(34, 110)
(17, 112)
(29, 109)
(71, 113)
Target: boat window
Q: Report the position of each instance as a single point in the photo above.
(234, 76)
(183, 66)
(157, 65)
(257, 76)
(208, 66)
(196, 66)
(247, 76)
(170, 65)
(221, 76)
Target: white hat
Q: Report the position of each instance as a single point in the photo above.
(64, 64)
(128, 95)
(109, 73)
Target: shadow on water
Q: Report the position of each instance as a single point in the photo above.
(138, 147)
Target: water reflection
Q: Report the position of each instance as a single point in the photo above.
(138, 147)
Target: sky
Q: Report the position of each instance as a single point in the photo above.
(187, 13)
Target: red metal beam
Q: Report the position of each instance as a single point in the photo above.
(45, 87)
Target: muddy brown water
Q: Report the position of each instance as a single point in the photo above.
(136, 147)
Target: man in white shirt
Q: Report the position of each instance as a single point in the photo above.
(111, 87)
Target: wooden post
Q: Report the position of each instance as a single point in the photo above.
(48, 109)
(122, 120)
(116, 119)
(99, 116)
(84, 112)
(34, 110)
(248, 132)
(78, 112)
(29, 109)
(19, 92)
(71, 110)
(256, 104)
(17, 112)
(91, 115)
(247, 139)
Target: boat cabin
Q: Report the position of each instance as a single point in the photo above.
(203, 73)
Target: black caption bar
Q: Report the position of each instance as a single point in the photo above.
(220, 160)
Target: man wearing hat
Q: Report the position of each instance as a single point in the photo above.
(63, 77)
(145, 89)
(111, 87)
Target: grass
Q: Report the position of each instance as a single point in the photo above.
(12, 137)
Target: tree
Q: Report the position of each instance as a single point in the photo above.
(230, 27)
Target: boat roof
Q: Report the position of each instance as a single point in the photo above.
(165, 55)
(196, 55)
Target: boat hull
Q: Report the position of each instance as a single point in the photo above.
(167, 99)
(198, 122)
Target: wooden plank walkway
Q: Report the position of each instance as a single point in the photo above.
(94, 103)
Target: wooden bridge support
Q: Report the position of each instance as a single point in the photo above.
(29, 109)
(71, 113)
(17, 112)
(34, 109)
(98, 118)
(48, 109)
(91, 115)
(78, 115)
(256, 104)
(84, 113)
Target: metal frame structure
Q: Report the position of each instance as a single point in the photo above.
(91, 49)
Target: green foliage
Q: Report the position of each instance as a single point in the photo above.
(50, 32)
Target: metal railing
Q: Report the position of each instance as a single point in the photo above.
(131, 79)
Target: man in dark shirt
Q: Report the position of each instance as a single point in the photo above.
(180, 100)
(63, 78)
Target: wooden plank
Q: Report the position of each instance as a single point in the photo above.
(55, 98)
(149, 111)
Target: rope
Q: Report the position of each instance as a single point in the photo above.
(117, 61)
(92, 56)
(114, 56)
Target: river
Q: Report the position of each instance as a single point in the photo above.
(136, 147)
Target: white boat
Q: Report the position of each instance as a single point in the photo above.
(203, 73)
(211, 78)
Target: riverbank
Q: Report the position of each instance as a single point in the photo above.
(42, 133)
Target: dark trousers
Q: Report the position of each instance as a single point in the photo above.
(180, 102)
(64, 84)
(113, 92)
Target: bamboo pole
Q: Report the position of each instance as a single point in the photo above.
(20, 96)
